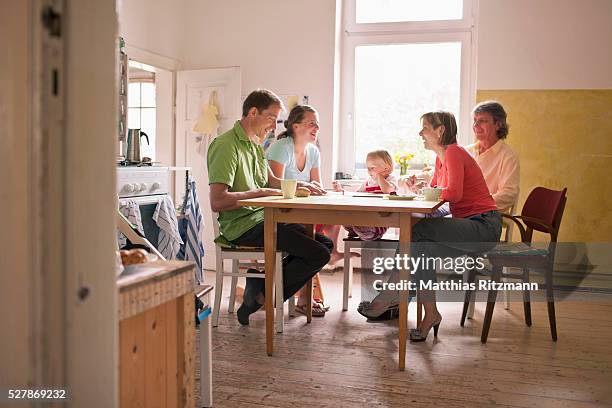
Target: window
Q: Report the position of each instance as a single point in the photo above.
(401, 59)
(385, 11)
(141, 105)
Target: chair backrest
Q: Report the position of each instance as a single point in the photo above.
(218, 252)
(547, 206)
(215, 222)
(508, 233)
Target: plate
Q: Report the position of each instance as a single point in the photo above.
(400, 197)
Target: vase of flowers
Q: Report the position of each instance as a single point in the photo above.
(402, 160)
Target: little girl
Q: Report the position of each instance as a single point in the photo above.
(380, 180)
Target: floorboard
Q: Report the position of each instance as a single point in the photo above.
(342, 360)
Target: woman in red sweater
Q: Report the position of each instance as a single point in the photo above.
(475, 225)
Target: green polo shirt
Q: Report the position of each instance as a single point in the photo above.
(239, 163)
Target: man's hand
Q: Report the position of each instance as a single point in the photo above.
(221, 199)
(266, 192)
(337, 187)
(315, 189)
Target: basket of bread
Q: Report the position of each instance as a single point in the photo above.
(135, 256)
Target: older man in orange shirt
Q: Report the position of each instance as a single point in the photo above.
(498, 162)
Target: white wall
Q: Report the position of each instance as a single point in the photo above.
(153, 33)
(153, 25)
(286, 46)
(522, 44)
(545, 44)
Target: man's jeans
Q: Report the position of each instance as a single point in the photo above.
(305, 256)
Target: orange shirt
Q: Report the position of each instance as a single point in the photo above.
(466, 190)
(500, 167)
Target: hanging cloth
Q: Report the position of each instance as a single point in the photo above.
(169, 240)
(131, 210)
(191, 231)
(207, 125)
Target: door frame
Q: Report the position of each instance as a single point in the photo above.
(227, 76)
(61, 118)
(91, 107)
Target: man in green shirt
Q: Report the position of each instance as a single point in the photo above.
(238, 170)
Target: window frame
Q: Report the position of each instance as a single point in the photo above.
(140, 107)
(463, 31)
(466, 23)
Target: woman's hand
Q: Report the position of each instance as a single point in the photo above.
(316, 183)
(411, 184)
(315, 189)
(407, 183)
(427, 173)
(419, 186)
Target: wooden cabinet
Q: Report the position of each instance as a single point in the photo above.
(157, 335)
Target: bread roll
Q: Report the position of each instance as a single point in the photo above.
(302, 192)
(134, 256)
(125, 256)
(137, 257)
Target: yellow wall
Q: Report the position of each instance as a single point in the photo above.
(564, 139)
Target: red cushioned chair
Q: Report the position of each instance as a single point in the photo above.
(542, 212)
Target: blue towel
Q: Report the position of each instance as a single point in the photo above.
(190, 228)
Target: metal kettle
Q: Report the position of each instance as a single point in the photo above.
(133, 145)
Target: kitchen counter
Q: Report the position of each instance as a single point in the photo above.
(157, 334)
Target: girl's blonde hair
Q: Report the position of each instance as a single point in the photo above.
(383, 155)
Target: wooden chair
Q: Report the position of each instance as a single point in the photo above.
(242, 258)
(543, 211)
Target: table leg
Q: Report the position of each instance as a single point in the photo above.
(419, 304)
(310, 232)
(404, 276)
(206, 362)
(270, 262)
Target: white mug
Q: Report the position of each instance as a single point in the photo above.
(288, 186)
(432, 193)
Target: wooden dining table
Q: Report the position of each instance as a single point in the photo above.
(338, 209)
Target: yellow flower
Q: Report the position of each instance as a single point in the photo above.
(403, 158)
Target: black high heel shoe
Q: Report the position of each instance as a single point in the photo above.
(416, 335)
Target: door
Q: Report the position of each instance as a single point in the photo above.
(193, 92)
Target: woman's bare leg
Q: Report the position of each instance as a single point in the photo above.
(303, 296)
(431, 309)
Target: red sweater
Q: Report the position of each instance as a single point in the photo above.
(466, 189)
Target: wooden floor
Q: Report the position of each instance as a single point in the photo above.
(343, 361)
